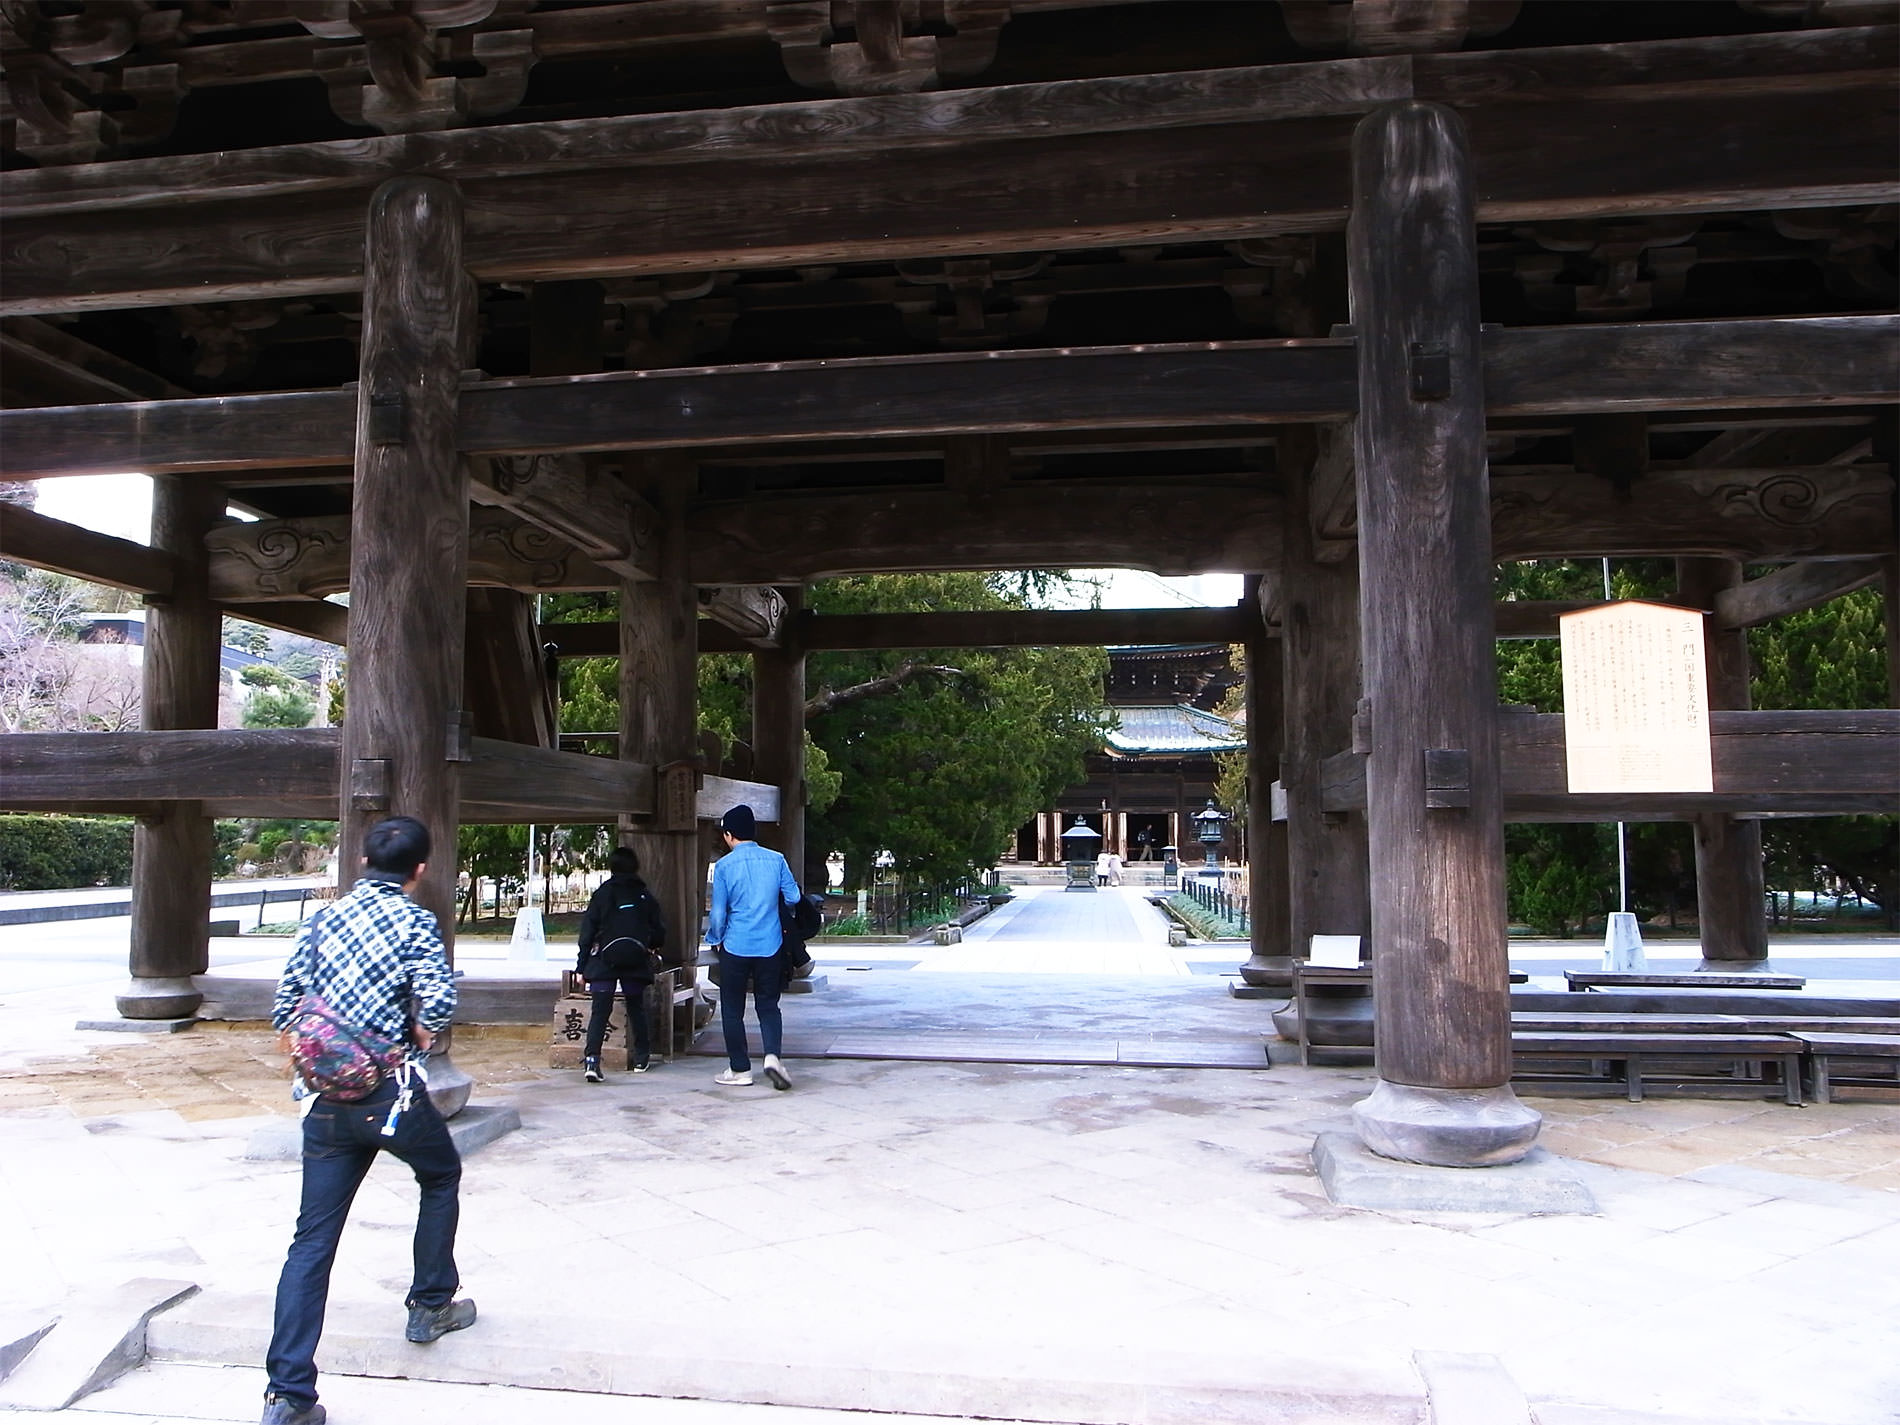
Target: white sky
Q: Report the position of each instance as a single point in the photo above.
(121, 505)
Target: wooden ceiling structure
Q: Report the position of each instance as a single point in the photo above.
(466, 300)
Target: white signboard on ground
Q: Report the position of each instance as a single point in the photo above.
(1636, 700)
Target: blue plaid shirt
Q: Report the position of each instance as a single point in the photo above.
(376, 957)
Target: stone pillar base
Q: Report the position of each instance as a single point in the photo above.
(172, 997)
(449, 1087)
(1268, 971)
(1737, 967)
(1448, 1128)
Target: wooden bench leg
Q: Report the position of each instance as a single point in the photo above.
(1633, 1077)
(1791, 1079)
(1823, 1091)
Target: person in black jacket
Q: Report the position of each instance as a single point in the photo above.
(621, 930)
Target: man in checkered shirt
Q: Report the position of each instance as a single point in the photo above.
(376, 958)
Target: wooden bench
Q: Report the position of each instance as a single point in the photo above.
(1632, 1050)
(1823, 1046)
(1693, 980)
(1644, 1022)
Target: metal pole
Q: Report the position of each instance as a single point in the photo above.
(1622, 847)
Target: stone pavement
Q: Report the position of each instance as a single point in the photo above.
(1036, 1242)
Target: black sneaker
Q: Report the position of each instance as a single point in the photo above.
(642, 1066)
(431, 1323)
(590, 1070)
(279, 1410)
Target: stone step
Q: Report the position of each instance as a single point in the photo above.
(954, 1367)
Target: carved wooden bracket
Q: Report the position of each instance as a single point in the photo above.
(989, 301)
(756, 614)
(578, 499)
(52, 98)
(385, 75)
(1638, 263)
(1394, 26)
(888, 53)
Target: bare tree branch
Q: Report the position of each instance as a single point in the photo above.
(904, 674)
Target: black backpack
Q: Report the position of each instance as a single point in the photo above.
(629, 927)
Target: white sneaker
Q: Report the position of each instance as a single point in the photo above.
(734, 1078)
(775, 1071)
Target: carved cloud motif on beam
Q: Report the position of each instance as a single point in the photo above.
(1827, 511)
(310, 558)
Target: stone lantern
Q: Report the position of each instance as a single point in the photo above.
(1210, 829)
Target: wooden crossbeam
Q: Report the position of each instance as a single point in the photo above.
(46, 543)
(1799, 586)
(1839, 511)
(1756, 363)
(1786, 763)
(1149, 158)
(312, 618)
(294, 773)
(41, 355)
(1024, 628)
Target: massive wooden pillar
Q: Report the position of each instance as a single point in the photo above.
(404, 734)
(1269, 960)
(1319, 636)
(1435, 811)
(172, 851)
(778, 740)
(1729, 885)
(659, 706)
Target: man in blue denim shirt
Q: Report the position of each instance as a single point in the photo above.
(749, 884)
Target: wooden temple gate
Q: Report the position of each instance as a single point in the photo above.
(1372, 442)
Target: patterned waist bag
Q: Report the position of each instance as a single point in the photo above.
(333, 1056)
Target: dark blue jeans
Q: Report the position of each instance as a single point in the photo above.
(759, 973)
(340, 1141)
(634, 992)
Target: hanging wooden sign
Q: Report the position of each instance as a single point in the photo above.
(1636, 699)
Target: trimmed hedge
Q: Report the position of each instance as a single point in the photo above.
(53, 853)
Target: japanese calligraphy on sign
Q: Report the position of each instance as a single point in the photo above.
(1636, 700)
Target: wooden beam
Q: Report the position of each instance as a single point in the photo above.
(245, 773)
(576, 500)
(1534, 618)
(312, 618)
(1027, 628)
(1790, 590)
(46, 543)
(1654, 366)
(1086, 388)
(1838, 511)
(1751, 363)
(114, 768)
(78, 369)
(719, 795)
(1816, 60)
(1820, 763)
(309, 558)
(1150, 158)
(1168, 531)
(756, 615)
(1781, 763)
